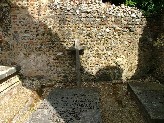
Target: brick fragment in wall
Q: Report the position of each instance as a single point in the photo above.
(42, 31)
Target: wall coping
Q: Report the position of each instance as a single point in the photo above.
(6, 71)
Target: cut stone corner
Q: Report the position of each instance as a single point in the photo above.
(6, 71)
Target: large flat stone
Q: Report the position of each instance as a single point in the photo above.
(150, 97)
(69, 106)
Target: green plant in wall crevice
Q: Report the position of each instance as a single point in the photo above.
(130, 3)
(160, 41)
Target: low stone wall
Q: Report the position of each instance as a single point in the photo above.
(41, 32)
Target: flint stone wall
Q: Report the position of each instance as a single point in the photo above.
(41, 32)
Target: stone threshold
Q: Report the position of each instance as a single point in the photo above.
(150, 99)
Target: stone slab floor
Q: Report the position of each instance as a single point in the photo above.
(116, 106)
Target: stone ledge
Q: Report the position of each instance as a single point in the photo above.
(150, 98)
(8, 79)
(9, 84)
(6, 71)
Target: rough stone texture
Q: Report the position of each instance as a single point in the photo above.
(69, 106)
(17, 105)
(16, 102)
(40, 33)
(150, 97)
